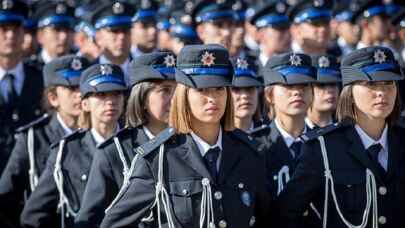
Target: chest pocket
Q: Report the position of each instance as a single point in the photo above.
(186, 197)
(350, 187)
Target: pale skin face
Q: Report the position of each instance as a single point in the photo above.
(313, 35)
(104, 107)
(11, 36)
(144, 35)
(115, 43)
(325, 97)
(274, 40)
(218, 32)
(158, 101)
(245, 102)
(350, 32)
(207, 105)
(374, 101)
(378, 27)
(57, 41)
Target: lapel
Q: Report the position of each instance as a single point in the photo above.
(281, 150)
(138, 137)
(231, 156)
(393, 151)
(357, 150)
(57, 131)
(193, 158)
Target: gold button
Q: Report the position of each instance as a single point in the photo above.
(382, 220)
(382, 190)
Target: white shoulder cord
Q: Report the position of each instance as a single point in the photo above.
(33, 175)
(122, 157)
(207, 209)
(284, 172)
(371, 190)
(58, 176)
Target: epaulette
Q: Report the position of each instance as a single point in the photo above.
(118, 134)
(245, 138)
(314, 134)
(40, 120)
(154, 143)
(71, 136)
(258, 129)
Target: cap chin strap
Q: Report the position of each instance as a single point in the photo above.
(371, 190)
(32, 172)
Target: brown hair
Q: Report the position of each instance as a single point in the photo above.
(84, 121)
(346, 110)
(180, 114)
(45, 102)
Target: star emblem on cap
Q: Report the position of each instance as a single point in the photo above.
(295, 60)
(170, 61)
(379, 56)
(281, 7)
(208, 59)
(105, 69)
(118, 8)
(7, 4)
(319, 3)
(323, 61)
(60, 9)
(221, 1)
(76, 64)
(242, 64)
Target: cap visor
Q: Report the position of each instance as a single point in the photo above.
(246, 82)
(203, 81)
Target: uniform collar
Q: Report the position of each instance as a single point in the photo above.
(295, 47)
(124, 66)
(368, 141)
(17, 71)
(263, 58)
(288, 138)
(99, 138)
(148, 133)
(45, 56)
(311, 124)
(203, 146)
(66, 129)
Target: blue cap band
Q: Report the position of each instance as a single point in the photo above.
(344, 16)
(165, 70)
(56, 19)
(391, 8)
(163, 25)
(67, 74)
(183, 31)
(329, 72)
(245, 73)
(105, 78)
(297, 70)
(380, 67)
(202, 71)
(30, 24)
(271, 19)
(214, 15)
(373, 11)
(240, 16)
(7, 17)
(142, 14)
(111, 21)
(312, 13)
(86, 28)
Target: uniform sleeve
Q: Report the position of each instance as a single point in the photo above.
(262, 211)
(41, 208)
(302, 188)
(136, 200)
(14, 181)
(101, 190)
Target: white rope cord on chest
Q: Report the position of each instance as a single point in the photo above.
(283, 174)
(207, 209)
(122, 156)
(58, 176)
(32, 172)
(371, 190)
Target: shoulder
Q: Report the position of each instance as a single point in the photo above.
(41, 121)
(259, 129)
(243, 137)
(325, 131)
(77, 134)
(154, 143)
(121, 135)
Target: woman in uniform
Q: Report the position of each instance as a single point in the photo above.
(152, 83)
(199, 172)
(325, 90)
(354, 170)
(28, 159)
(57, 198)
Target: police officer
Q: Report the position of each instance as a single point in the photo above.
(353, 170)
(112, 21)
(58, 195)
(347, 31)
(273, 29)
(31, 150)
(325, 91)
(152, 88)
(55, 30)
(85, 40)
(30, 43)
(203, 168)
(21, 83)
(144, 31)
(310, 31)
(398, 22)
(214, 21)
(237, 48)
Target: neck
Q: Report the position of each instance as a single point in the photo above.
(374, 128)
(8, 63)
(207, 132)
(155, 127)
(117, 60)
(105, 129)
(319, 118)
(235, 50)
(293, 125)
(243, 123)
(313, 50)
(144, 49)
(70, 121)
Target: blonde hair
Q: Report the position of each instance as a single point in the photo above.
(180, 113)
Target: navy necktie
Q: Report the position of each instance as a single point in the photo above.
(373, 152)
(296, 148)
(211, 158)
(11, 94)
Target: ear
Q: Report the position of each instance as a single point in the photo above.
(201, 32)
(85, 105)
(40, 36)
(53, 99)
(268, 95)
(99, 38)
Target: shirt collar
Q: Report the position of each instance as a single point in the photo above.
(203, 146)
(45, 56)
(17, 71)
(263, 58)
(368, 141)
(288, 139)
(124, 66)
(66, 129)
(99, 138)
(295, 47)
(148, 133)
